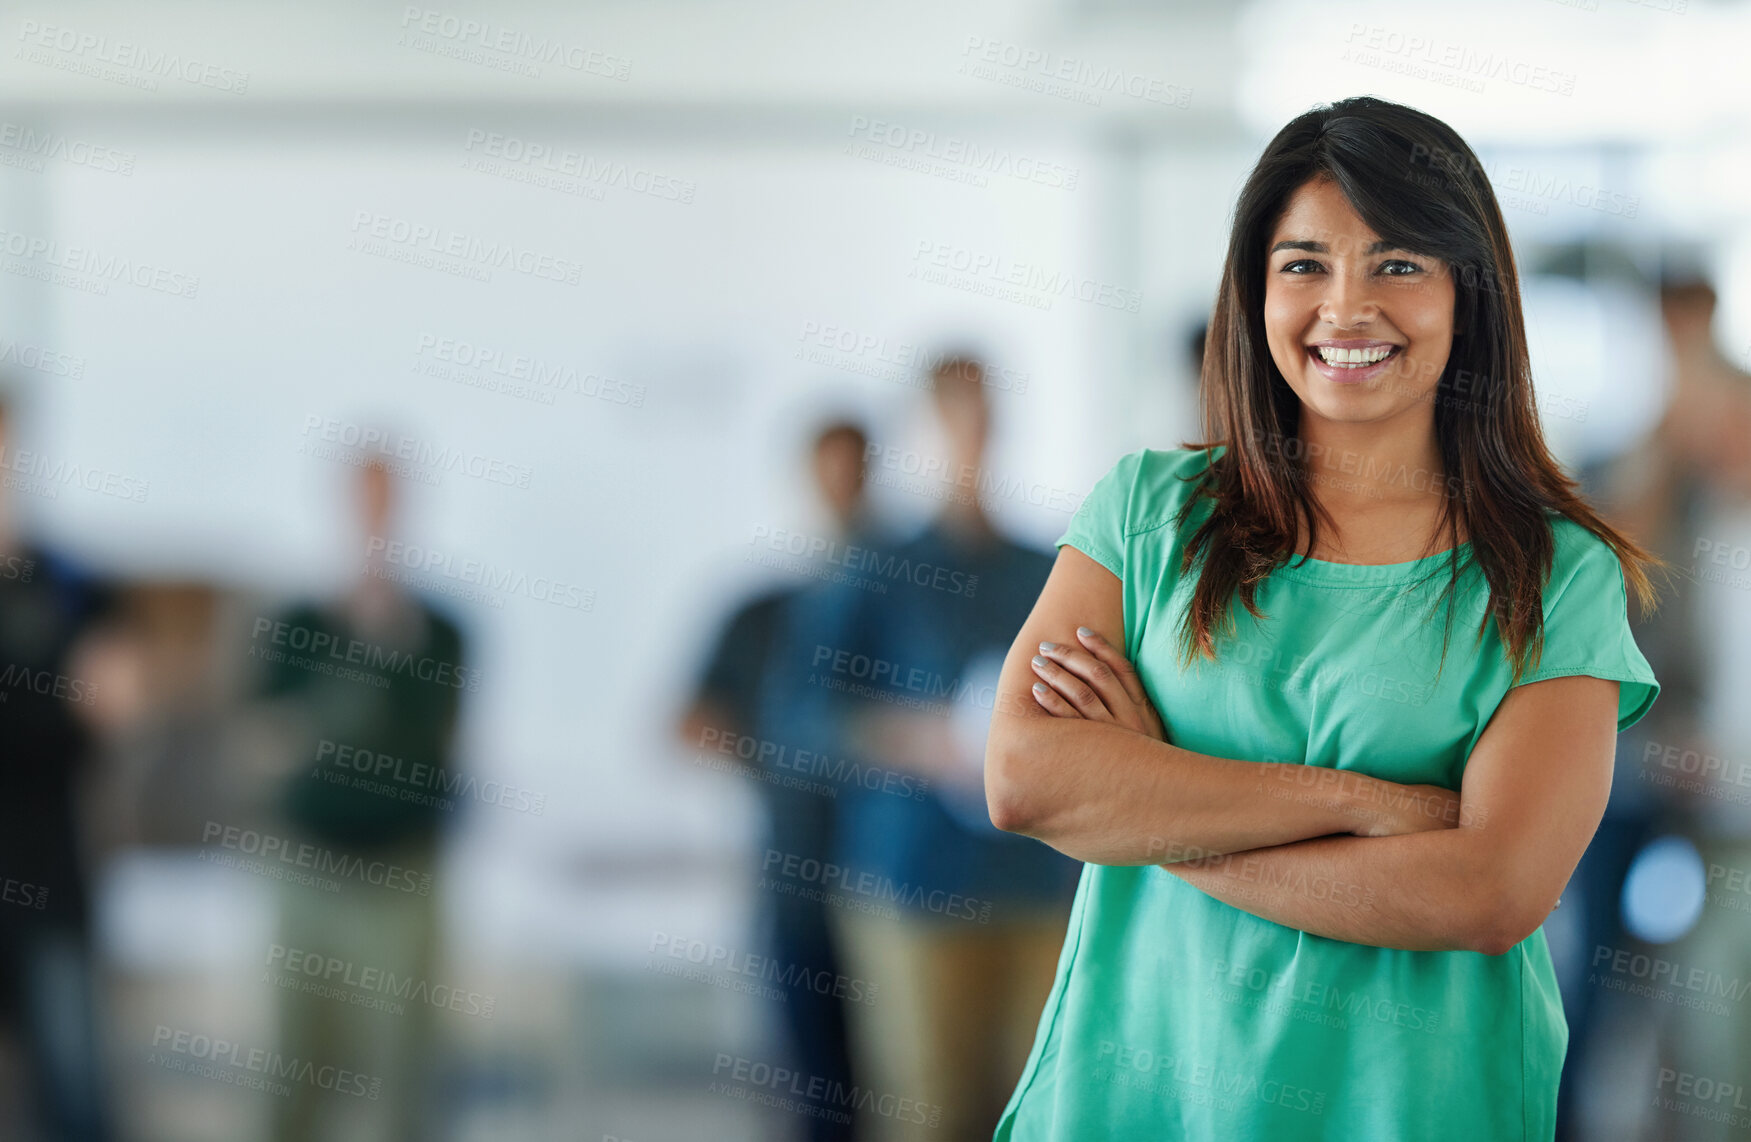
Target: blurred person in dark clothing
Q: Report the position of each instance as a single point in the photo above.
(1656, 493)
(47, 984)
(730, 715)
(370, 685)
(960, 924)
(1694, 485)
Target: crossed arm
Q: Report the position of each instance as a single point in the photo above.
(1078, 762)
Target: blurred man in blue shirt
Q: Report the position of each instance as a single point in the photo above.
(959, 924)
(732, 714)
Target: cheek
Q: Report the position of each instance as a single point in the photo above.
(1431, 319)
(1282, 324)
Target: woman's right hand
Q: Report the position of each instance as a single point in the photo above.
(1096, 682)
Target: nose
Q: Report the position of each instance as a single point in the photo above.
(1348, 302)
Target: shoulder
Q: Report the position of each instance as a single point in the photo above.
(307, 614)
(1151, 485)
(1580, 561)
(446, 627)
(764, 608)
(1024, 559)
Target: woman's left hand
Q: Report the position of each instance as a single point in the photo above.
(1094, 681)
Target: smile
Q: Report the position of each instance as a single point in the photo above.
(1354, 358)
(1357, 361)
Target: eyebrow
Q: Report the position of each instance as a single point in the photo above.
(1379, 247)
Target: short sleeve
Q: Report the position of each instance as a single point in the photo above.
(732, 670)
(1099, 527)
(1586, 623)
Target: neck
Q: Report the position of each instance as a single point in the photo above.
(1694, 352)
(962, 513)
(1363, 466)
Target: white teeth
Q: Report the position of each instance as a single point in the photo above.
(1354, 358)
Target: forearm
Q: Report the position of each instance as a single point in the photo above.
(1426, 891)
(1106, 795)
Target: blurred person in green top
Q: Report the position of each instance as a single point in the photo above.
(1325, 822)
(369, 713)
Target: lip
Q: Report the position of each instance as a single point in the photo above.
(1352, 376)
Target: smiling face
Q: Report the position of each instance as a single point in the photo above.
(1359, 329)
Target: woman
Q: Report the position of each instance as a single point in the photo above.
(1289, 925)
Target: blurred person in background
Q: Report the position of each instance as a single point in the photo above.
(1697, 470)
(1195, 340)
(370, 741)
(1656, 493)
(964, 922)
(730, 715)
(47, 968)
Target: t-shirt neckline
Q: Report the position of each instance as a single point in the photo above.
(1368, 574)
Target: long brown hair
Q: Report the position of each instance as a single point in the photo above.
(1414, 181)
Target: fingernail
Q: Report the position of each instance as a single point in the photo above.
(1040, 688)
(1048, 647)
(1084, 632)
(1038, 661)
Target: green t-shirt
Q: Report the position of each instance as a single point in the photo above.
(1176, 1016)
